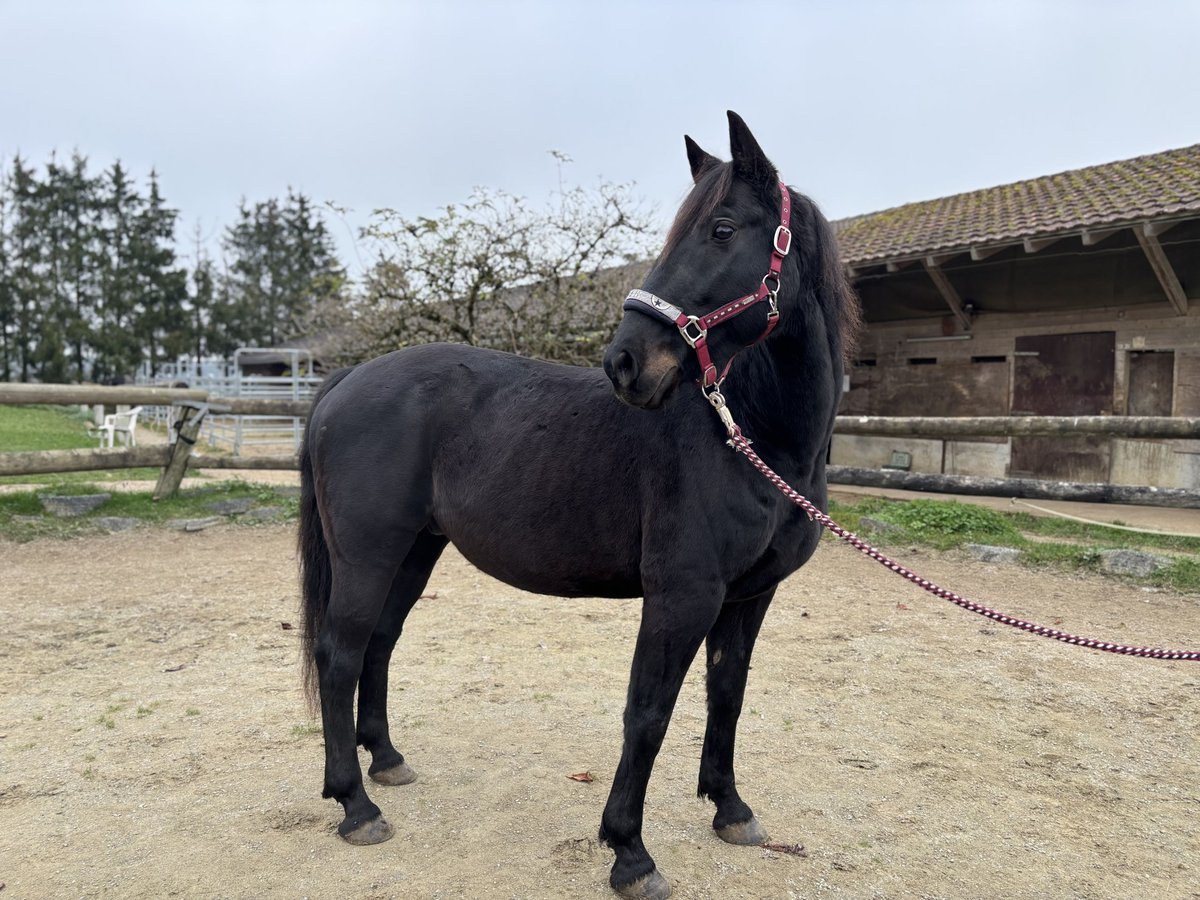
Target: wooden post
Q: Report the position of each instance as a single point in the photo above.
(191, 417)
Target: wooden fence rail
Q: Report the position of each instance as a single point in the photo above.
(1010, 426)
(1145, 427)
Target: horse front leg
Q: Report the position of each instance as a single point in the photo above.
(730, 643)
(669, 636)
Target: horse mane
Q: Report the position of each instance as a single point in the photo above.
(813, 237)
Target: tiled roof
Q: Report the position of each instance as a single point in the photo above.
(1146, 187)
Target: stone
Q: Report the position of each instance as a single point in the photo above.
(231, 507)
(72, 505)
(264, 512)
(1133, 562)
(27, 520)
(878, 525)
(193, 524)
(115, 523)
(287, 490)
(988, 553)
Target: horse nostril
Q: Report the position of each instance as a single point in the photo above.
(624, 370)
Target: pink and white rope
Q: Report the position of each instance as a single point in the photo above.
(741, 444)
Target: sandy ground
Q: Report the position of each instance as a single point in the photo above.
(153, 740)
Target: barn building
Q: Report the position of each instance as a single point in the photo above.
(1071, 294)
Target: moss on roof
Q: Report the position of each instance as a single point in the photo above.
(1145, 187)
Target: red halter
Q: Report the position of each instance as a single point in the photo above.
(695, 328)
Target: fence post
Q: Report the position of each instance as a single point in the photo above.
(191, 417)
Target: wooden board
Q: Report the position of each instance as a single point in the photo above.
(1063, 375)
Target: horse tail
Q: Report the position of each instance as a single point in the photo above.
(316, 572)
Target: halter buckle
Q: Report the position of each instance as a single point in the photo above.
(783, 240)
(693, 339)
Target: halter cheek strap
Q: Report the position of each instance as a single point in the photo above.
(695, 328)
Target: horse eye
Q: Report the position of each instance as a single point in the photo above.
(723, 232)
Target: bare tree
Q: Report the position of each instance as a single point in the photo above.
(496, 273)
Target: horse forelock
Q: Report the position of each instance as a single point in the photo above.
(702, 201)
(814, 238)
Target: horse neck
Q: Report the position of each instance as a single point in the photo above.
(785, 395)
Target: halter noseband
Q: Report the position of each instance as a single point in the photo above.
(695, 328)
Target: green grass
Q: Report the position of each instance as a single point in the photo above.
(191, 503)
(26, 428)
(1044, 541)
(43, 428)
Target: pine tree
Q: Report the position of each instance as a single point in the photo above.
(281, 267)
(7, 308)
(116, 343)
(160, 320)
(26, 250)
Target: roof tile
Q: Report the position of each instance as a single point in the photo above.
(1131, 190)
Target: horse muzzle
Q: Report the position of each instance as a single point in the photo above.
(645, 381)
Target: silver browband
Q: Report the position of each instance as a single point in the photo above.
(644, 301)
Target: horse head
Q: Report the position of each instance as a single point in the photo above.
(729, 248)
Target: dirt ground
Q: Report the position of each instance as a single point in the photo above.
(153, 739)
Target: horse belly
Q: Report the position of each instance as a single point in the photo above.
(547, 538)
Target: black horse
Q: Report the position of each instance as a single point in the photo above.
(542, 477)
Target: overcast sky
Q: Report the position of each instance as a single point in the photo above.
(863, 105)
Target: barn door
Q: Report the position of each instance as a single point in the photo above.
(1063, 375)
(1151, 382)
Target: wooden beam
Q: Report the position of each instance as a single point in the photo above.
(47, 462)
(1093, 236)
(949, 294)
(187, 429)
(1033, 245)
(1163, 270)
(1030, 488)
(265, 463)
(898, 264)
(70, 394)
(939, 259)
(1008, 426)
(134, 395)
(1154, 229)
(980, 253)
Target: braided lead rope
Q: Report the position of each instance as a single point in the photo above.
(742, 445)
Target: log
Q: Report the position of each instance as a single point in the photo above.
(187, 428)
(1027, 488)
(48, 462)
(251, 406)
(132, 395)
(260, 463)
(1008, 426)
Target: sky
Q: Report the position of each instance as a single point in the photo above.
(410, 105)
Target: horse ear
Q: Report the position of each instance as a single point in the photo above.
(749, 161)
(700, 161)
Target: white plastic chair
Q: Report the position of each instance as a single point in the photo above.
(123, 423)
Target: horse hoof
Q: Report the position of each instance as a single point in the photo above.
(401, 774)
(748, 833)
(375, 831)
(649, 887)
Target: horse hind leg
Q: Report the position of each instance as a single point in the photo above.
(356, 602)
(729, 644)
(387, 763)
